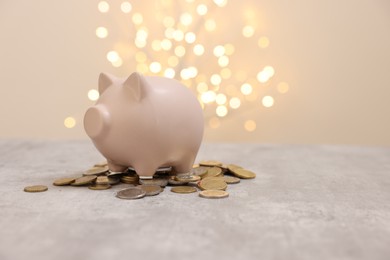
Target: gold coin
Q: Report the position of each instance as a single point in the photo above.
(35, 188)
(130, 175)
(231, 179)
(130, 182)
(84, 180)
(213, 194)
(101, 164)
(95, 171)
(210, 163)
(231, 167)
(212, 183)
(151, 190)
(183, 189)
(243, 174)
(130, 178)
(213, 172)
(102, 180)
(200, 170)
(63, 181)
(187, 178)
(223, 167)
(99, 186)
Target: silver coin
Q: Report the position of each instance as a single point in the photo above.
(131, 193)
(113, 180)
(164, 169)
(111, 173)
(199, 171)
(95, 171)
(159, 182)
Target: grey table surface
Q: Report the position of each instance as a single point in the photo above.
(307, 202)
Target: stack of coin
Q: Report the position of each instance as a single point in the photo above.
(101, 183)
(211, 177)
(129, 178)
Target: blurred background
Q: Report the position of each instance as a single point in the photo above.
(299, 72)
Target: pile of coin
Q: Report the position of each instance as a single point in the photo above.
(210, 178)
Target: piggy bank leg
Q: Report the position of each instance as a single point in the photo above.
(115, 167)
(145, 171)
(184, 166)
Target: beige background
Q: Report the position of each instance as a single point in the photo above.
(334, 54)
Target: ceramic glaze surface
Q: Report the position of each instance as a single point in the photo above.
(145, 122)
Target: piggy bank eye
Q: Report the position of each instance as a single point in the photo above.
(96, 121)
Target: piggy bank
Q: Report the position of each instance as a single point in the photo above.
(145, 122)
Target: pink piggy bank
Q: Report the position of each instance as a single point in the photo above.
(145, 123)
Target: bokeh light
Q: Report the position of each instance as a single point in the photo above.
(210, 25)
(215, 79)
(246, 89)
(173, 61)
(223, 61)
(190, 37)
(70, 122)
(202, 9)
(248, 31)
(220, 99)
(155, 67)
(117, 63)
(226, 73)
(169, 73)
(200, 48)
(93, 94)
(186, 19)
(268, 101)
(283, 87)
(166, 45)
(202, 87)
(103, 7)
(214, 122)
(101, 32)
(126, 7)
(221, 111)
(250, 125)
(137, 18)
(180, 51)
(112, 56)
(220, 3)
(235, 102)
(263, 42)
(208, 96)
(219, 50)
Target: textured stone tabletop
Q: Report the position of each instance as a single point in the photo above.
(307, 202)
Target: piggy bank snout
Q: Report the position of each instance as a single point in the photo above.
(96, 121)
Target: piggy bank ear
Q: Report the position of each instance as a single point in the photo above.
(105, 80)
(96, 122)
(133, 86)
